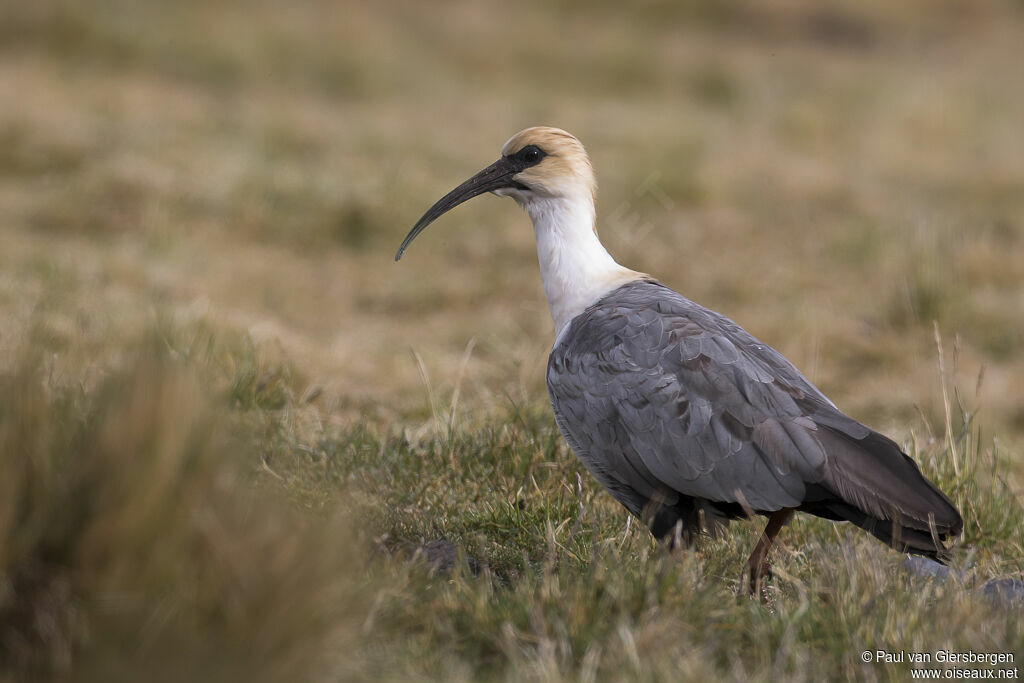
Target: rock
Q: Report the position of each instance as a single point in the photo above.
(1007, 592)
(926, 568)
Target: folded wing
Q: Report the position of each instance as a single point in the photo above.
(665, 400)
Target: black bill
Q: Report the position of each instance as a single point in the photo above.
(494, 177)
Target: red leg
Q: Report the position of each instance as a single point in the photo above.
(758, 565)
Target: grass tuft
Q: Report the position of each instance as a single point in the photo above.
(172, 520)
(134, 544)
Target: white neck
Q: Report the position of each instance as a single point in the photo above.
(574, 265)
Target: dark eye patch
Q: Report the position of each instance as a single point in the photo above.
(531, 154)
(528, 156)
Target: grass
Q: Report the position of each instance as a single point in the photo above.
(240, 442)
(201, 154)
(188, 516)
(138, 543)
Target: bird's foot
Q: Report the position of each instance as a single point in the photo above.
(760, 573)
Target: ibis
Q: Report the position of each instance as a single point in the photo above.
(683, 416)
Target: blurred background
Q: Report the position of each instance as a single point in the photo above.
(833, 176)
(844, 179)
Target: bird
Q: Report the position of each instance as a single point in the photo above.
(681, 414)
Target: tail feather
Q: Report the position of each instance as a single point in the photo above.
(880, 489)
(895, 535)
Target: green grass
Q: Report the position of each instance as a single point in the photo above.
(187, 516)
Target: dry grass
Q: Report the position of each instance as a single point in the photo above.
(188, 517)
(837, 178)
(136, 543)
(834, 178)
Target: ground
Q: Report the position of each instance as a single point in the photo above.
(199, 208)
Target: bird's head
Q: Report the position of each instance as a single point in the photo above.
(536, 164)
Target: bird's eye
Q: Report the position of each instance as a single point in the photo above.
(531, 154)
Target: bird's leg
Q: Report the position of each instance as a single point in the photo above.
(758, 564)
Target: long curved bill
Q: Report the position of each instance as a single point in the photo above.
(494, 177)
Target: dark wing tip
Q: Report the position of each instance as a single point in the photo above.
(877, 478)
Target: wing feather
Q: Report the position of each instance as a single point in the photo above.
(660, 397)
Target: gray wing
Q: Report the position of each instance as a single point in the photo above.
(659, 396)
